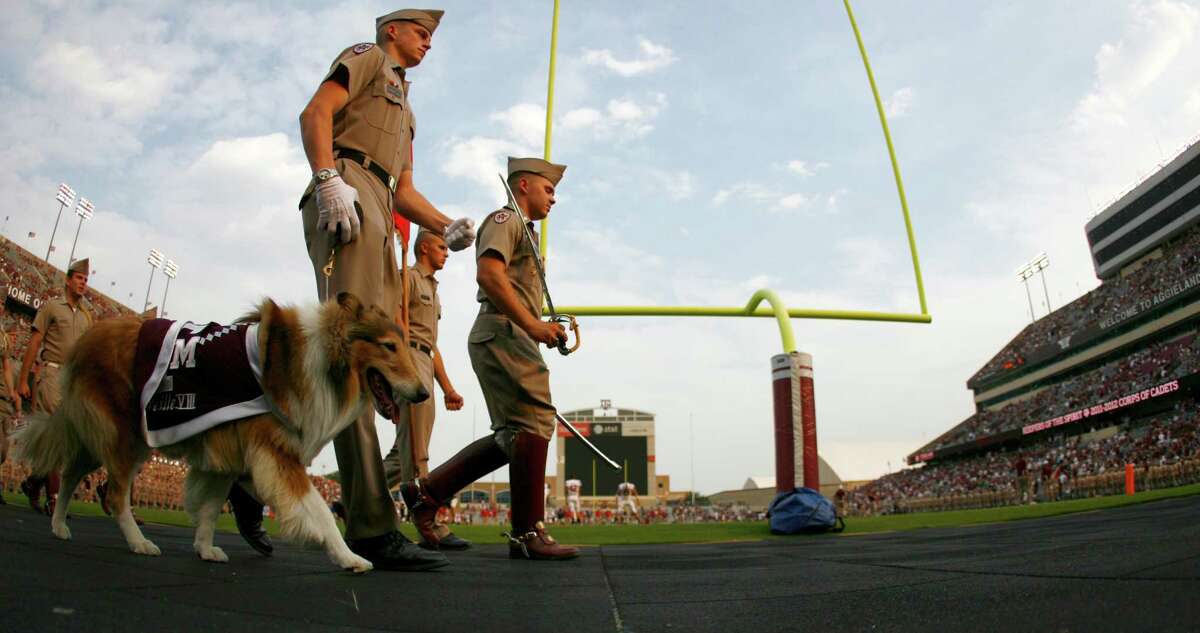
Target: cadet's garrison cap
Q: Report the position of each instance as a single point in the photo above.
(545, 169)
(79, 266)
(428, 18)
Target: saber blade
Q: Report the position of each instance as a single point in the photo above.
(591, 447)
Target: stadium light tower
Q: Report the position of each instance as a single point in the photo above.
(1039, 265)
(65, 197)
(1024, 273)
(156, 261)
(85, 210)
(170, 269)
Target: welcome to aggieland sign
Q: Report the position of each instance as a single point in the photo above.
(1160, 297)
(1112, 405)
(24, 297)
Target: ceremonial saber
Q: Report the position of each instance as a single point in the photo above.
(591, 447)
(554, 315)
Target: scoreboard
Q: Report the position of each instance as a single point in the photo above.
(625, 435)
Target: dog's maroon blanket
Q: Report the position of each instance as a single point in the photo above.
(191, 378)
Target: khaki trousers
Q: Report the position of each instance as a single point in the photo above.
(46, 395)
(514, 378)
(414, 425)
(366, 267)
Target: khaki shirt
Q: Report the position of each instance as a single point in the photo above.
(60, 326)
(376, 119)
(501, 233)
(424, 306)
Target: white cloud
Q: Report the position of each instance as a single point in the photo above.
(761, 197)
(128, 89)
(1126, 69)
(746, 190)
(479, 159)
(678, 185)
(525, 122)
(899, 103)
(581, 118)
(805, 168)
(793, 201)
(654, 57)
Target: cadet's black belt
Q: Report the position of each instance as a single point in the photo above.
(421, 347)
(375, 168)
(488, 308)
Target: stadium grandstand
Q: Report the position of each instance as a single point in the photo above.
(1110, 379)
(27, 282)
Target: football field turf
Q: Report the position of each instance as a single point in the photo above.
(633, 534)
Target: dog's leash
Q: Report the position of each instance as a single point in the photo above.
(328, 271)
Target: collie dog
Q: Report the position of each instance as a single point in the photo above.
(319, 368)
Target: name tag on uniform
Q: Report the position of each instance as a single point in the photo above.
(394, 91)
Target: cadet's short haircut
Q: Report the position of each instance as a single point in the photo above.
(516, 177)
(424, 236)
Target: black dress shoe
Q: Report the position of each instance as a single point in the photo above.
(453, 542)
(31, 487)
(247, 513)
(391, 552)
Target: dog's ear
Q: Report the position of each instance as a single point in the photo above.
(350, 303)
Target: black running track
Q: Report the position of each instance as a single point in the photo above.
(1135, 568)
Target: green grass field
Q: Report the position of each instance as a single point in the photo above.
(718, 532)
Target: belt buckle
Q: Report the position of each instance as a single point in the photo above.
(391, 183)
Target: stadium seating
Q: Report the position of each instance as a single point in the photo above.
(1165, 448)
(1145, 368)
(1180, 259)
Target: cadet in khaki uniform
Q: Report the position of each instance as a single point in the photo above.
(503, 346)
(58, 324)
(409, 457)
(357, 131)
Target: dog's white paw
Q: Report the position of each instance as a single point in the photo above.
(350, 561)
(358, 565)
(145, 548)
(61, 531)
(213, 554)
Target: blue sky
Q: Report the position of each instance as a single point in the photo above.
(713, 149)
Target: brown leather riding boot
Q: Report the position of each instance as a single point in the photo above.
(424, 496)
(527, 478)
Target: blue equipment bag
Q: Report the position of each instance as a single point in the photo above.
(803, 511)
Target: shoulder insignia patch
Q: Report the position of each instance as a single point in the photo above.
(501, 217)
(359, 49)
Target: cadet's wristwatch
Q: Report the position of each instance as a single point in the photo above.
(325, 174)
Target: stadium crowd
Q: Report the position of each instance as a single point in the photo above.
(1148, 367)
(1180, 259)
(1165, 449)
(22, 270)
(606, 514)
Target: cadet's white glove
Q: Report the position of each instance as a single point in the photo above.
(460, 234)
(336, 213)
